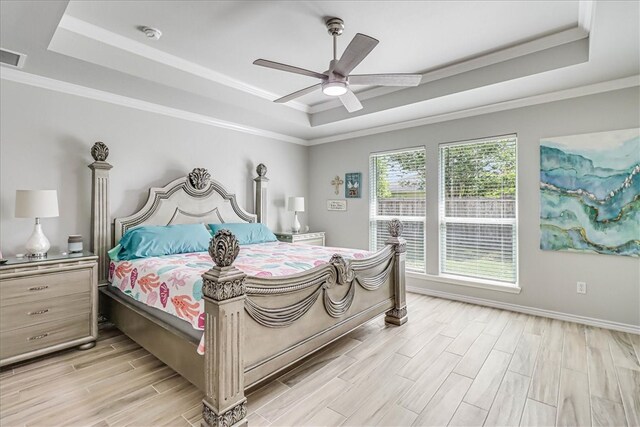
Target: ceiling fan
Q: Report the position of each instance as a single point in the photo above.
(336, 81)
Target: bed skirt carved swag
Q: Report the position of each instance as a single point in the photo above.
(255, 327)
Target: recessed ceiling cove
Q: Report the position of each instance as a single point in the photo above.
(471, 55)
(226, 37)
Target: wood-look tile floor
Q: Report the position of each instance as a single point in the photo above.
(453, 364)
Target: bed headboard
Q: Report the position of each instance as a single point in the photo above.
(194, 198)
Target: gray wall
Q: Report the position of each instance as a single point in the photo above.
(45, 138)
(548, 279)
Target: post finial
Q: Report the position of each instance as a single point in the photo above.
(224, 248)
(262, 199)
(395, 227)
(99, 151)
(199, 178)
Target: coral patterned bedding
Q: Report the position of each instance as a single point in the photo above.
(173, 283)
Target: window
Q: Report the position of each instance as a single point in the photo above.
(397, 190)
(478, 236)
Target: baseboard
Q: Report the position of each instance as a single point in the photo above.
(623, 327)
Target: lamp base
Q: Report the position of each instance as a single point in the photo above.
(38, 245)
(295, 228)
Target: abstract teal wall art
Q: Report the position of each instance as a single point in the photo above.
(590, 193)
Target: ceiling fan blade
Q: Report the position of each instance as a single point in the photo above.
(385, 79)
(298, 94)
(357, 50)
(350, 101)
(289, 68)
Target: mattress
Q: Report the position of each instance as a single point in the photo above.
(166, 318)
(172, 284)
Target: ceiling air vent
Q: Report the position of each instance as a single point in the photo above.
(14, 59)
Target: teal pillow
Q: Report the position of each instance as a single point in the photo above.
(246, 233)
(113, 253)
(158, 240)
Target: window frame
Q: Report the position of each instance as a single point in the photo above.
(373, 200)
(442, 219)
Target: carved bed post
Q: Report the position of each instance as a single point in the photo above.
(223, 288)
(261, 193)
(398, 314)
(101, 240)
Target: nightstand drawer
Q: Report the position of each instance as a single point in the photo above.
(44, 286)
(309, 238)
(24, 340)
(316, 241)
(47, 310)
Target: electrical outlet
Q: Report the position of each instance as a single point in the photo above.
(582, 287)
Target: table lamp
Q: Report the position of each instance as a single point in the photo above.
(296, 204)
(37, 204)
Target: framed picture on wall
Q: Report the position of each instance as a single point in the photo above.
(589, 187)
(352, 185)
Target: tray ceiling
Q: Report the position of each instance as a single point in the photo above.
(226, 37)
(472, 55)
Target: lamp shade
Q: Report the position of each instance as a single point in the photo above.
(296, 204)
(36, 203)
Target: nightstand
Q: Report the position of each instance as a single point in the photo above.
(315, 238)
(47, 305)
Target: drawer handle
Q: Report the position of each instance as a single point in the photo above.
(39, 288)
(38, 337)
(34, 313)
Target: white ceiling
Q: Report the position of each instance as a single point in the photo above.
(472, 55)
(227, 36)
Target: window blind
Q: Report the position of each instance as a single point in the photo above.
(397, 190)
(478, 236)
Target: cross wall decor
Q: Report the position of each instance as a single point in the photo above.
(337, 182)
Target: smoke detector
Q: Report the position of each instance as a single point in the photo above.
(151, 33)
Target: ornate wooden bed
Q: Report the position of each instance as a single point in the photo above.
(255, 327)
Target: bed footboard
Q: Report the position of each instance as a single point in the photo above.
(257, 326)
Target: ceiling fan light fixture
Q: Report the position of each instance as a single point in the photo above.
(334, 88)
(336, 80)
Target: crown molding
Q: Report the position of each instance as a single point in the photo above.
(585, 14)
(607, 86)
(22, 77)
(110, 38)
(17, 76)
